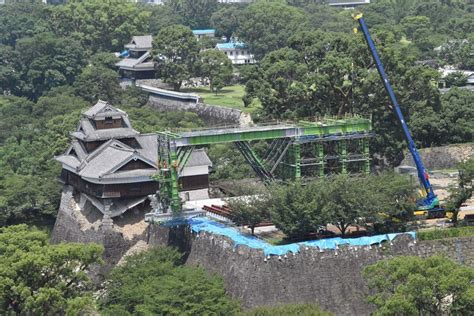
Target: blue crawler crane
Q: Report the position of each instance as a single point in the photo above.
(429, 204)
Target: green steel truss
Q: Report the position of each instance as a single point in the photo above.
(285, 157)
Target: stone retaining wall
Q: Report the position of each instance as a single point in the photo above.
(331, 279)
(210, 114)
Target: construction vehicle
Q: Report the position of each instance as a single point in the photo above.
(428, 205)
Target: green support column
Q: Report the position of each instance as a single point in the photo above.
(320, 156)
(365, 145)
(343, 155)
(176, 206)
(296, 149)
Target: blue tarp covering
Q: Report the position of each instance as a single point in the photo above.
(208, 225)
(123, 54)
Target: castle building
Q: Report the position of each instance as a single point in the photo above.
(110, 164)
(138, 60)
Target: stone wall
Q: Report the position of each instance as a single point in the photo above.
(210, 114)
(331, 279)
(442, 157)
(76, 224)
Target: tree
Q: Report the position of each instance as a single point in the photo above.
(266, 27)
(21, 19)
(98, 25)
(297, 210)
(154, 283)
(46, 61)
(249, 211)
(414, 24)
(228, 163)
(455, 79)
(347, 201)
(105, 59)
(98, 83)
(463, 191)
(217, 68)
(416, 286)
(457, 116)
(226, 20)
(162, 16)
(195, 13)
(43, 279)
(289, 309)
(175, 52)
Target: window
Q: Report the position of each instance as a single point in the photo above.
(108, 120)
(231, 53)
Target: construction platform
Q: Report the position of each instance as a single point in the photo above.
(293, 151)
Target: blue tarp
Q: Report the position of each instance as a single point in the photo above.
(204, 224)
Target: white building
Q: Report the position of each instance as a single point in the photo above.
(237, 52)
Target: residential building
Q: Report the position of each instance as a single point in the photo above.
(237, 52)
(138, 61)
(204, 33)
(110, 164)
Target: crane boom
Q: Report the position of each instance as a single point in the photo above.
(430, 201)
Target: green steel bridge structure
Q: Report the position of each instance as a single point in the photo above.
(295, 151)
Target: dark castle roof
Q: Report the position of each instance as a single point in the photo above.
(106, 163)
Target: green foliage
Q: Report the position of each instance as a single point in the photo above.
(43, 279)
(463, 191)
(266, 27)
(453, 232)
(31, 135)
(40, 63)
(455, 79)
(162, 16)
(228, 163)
(376, 202)
(226, 20)
(195, 13)
(250, 210)
(457, 116)
(96, 83)
(105, 60)
(152, 283)
(414, 286)
(175, 52)
(98, 25)
(21, 19)
(290, 309)
(217, 68)
(297, 210)
(148, 120)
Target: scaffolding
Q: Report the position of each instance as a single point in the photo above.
(295, 151)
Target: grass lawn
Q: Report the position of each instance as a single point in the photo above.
(229, 97)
